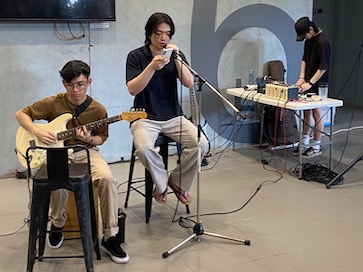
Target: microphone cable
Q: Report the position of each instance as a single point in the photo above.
(179, 146)
(188, 218)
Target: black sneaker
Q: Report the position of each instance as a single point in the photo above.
(112, 247)
(311, 152)
(204, 162)
(55, 238)
(296, 151)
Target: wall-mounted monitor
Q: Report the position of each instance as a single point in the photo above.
(57, 10)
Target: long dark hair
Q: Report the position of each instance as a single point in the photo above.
(154, 21)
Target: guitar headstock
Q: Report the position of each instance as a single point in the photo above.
(133, 115)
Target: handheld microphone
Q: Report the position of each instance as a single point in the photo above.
(168, 52)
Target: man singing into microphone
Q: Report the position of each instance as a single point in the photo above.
(152, 78)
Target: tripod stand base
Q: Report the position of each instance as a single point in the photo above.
(339, 178)
(198, 230)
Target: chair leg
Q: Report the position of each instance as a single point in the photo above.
(35, 217)
(164, 152)
(187, 209)
(131, 172)
(149, 184)
(82, 197)
(43, 222)
(93, 221)
(32, 243)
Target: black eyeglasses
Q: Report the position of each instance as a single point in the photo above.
(79, 85)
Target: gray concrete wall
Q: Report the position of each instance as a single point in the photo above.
(239, 38)
(341, 20)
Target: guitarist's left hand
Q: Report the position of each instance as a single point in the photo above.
(84, 135)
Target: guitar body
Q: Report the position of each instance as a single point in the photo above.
(25, 139)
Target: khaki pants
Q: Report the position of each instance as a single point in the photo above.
(182, 131)
(107, 193)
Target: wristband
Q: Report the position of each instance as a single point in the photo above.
(310, 83)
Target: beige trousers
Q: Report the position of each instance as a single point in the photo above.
(107, 191)
(182, 131)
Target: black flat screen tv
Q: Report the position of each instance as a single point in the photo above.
(57, 10)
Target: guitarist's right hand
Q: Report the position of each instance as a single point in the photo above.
(46, 137)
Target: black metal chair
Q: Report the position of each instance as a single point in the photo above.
(163, 142)
(58, 173)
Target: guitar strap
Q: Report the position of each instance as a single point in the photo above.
(82, 107)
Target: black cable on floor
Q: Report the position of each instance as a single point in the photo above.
(315, 171)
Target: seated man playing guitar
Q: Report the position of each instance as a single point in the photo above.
(76, 80)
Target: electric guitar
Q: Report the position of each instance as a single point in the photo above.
(25, 139)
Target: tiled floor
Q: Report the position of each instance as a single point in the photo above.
(293, 225)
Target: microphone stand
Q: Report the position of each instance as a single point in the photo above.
(198, 228)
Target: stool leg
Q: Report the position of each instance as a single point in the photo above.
(43, 222)
(131, 172)
(149, 184)
(164, 152)
(32, 244)
(34, 226)
(93, 221)
(83, 209)
(187, 209)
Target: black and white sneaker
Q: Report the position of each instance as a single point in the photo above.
(112, 247)
(311, 153)
(296, 151)
(55, 237)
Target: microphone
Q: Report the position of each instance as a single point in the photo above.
(168, 52)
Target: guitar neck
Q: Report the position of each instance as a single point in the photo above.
(70, 133)
(193, 109)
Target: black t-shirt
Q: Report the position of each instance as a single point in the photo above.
(317, 56)
(160, 97)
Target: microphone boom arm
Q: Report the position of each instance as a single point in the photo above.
(178, 57)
